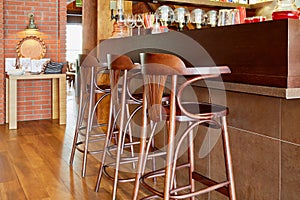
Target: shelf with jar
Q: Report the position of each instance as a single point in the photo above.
(257, 8)
(192, 14)
(197, 16)
(254, 4)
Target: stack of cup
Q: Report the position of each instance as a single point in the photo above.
(228, 17)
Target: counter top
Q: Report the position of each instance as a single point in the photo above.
(286, 93)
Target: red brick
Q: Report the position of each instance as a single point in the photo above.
(13, 20)
(22, 112)
(37, 107)
(44, 107)
(25, 93)
(25, 104)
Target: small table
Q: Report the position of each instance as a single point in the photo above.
(58, 96)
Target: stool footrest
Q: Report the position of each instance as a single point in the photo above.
(121, 180)
(81, 150)
(198, 192)
(212, 185)
(209, 182)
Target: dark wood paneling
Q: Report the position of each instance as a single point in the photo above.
(260, 53)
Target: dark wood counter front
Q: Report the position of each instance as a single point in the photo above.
(265, 53)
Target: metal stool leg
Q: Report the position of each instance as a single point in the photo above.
(228, 159)
(141, 160)
(128, 126)
(171, 140)
(82, 105)
(191, 160)
(118, 158)
(88, 127)
(107, 140)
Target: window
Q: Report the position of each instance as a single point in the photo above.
(74, 42)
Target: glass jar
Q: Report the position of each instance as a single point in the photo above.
(197, 17)
(285, 9)
(182, 17)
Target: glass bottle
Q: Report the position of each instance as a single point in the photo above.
(285, 9)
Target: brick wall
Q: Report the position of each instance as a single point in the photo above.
(34, 96)
(2, 81)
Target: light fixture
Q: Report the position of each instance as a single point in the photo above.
(31, 24)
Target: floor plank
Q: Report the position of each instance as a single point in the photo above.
(34, 163)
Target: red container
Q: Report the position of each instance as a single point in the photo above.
(248, 20)
(242, 11)
(285, 15)
(258, 19)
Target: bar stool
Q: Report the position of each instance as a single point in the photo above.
(118, 65)
(85, 123)
(156, 68)
(122, 72)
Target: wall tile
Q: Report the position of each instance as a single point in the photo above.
(290, 120)
(290, 175)
(255, 165)
(255, 113)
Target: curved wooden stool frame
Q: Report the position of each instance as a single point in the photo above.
(156, 68)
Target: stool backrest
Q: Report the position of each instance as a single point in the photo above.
(89, 71)
(119, 62)
(90, 61)
(119, 66)
(157, 66)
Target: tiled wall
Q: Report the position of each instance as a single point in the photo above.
(265, 145)
(50, 17)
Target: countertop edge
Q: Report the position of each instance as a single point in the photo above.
(286, 93)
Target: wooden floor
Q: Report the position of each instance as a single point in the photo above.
(34, 163)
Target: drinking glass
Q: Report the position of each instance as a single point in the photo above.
(223, 18)
(212, 18)
(234, 17)
(156, 26)
(130, 23)
(149, 20)
(139, 22)
(120, 20)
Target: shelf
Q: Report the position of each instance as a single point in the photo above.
(212, 3)
(260, 5)
(204, 2)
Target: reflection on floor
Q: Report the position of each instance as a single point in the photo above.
(34, 162)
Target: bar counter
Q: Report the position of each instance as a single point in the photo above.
(262, 94)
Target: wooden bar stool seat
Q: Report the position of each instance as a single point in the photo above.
(156, 68)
